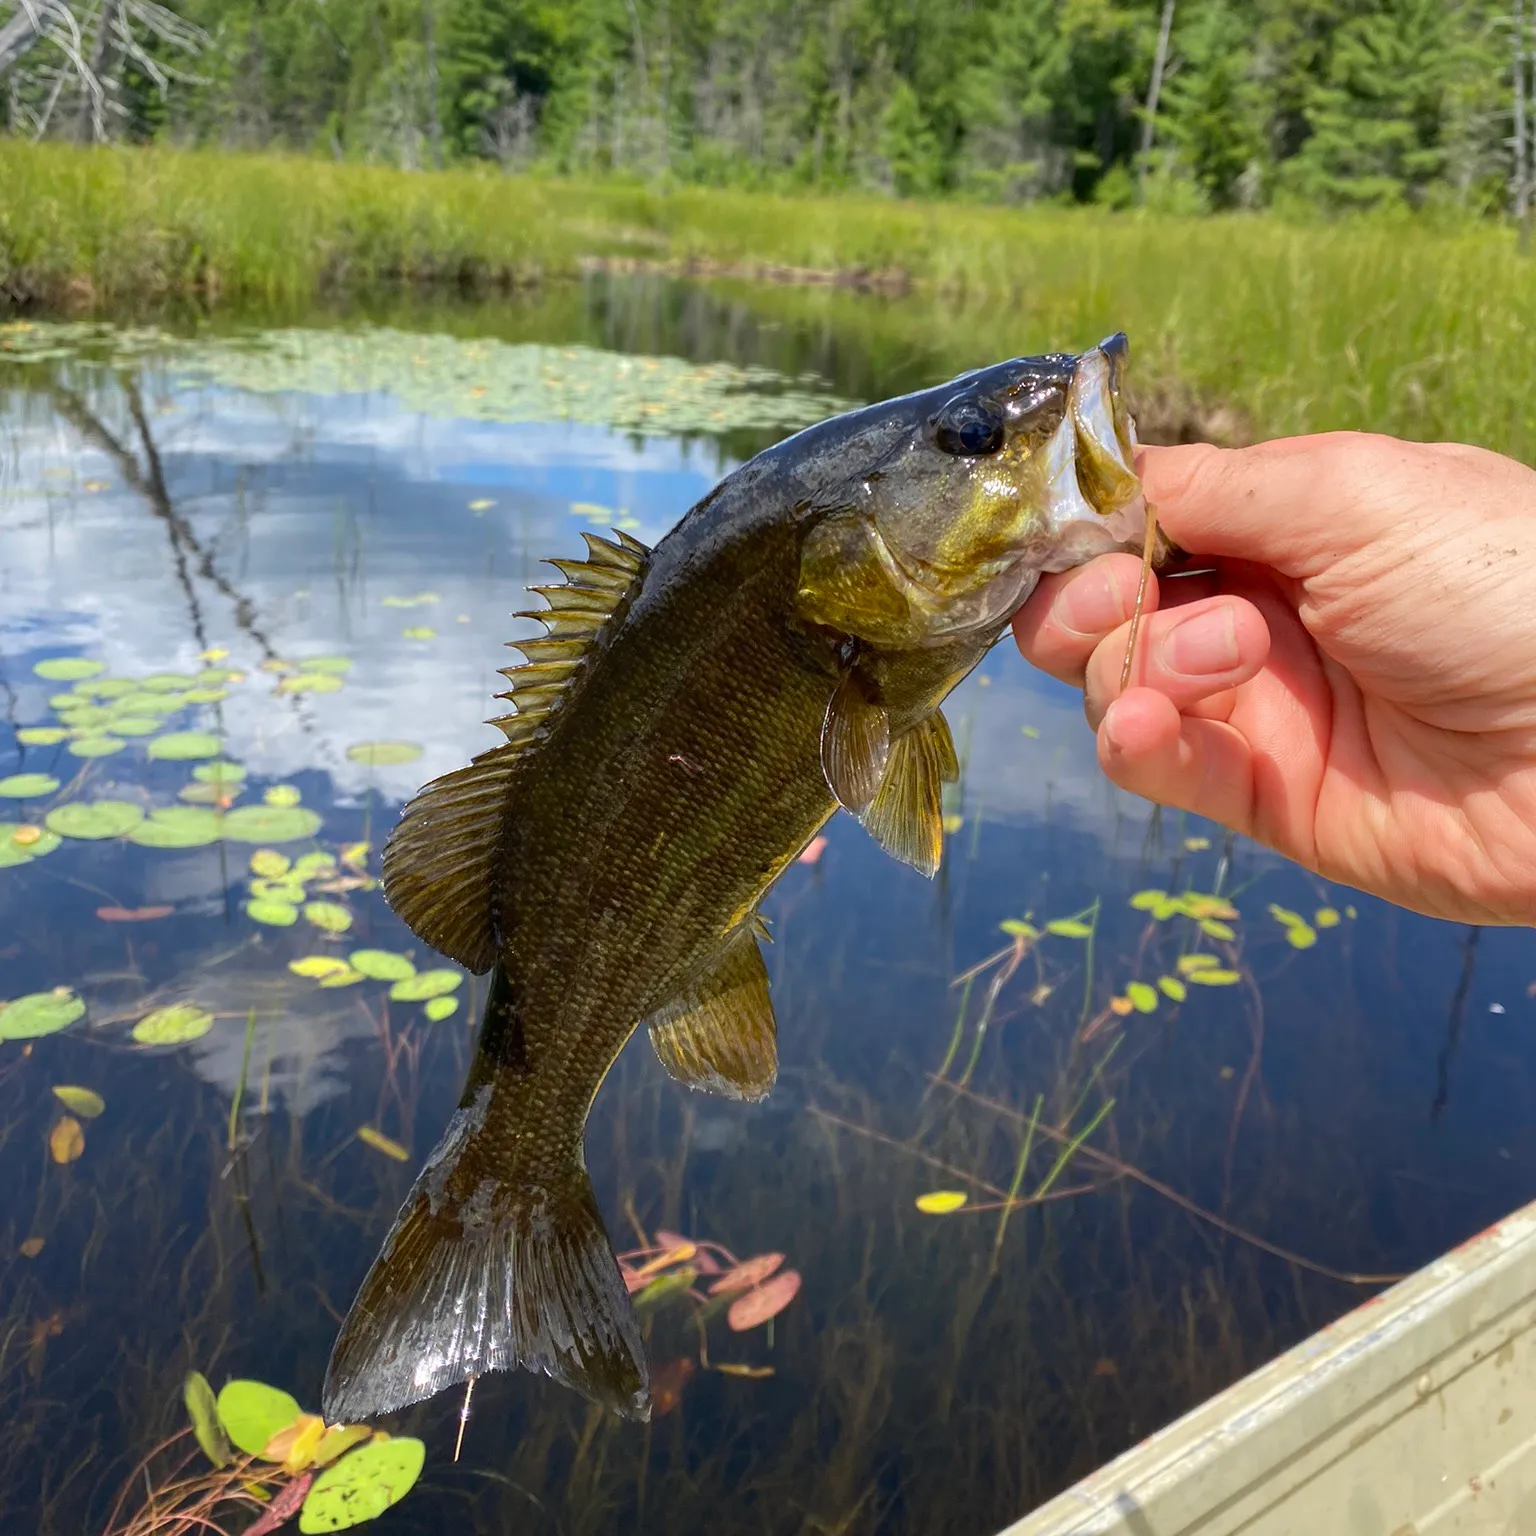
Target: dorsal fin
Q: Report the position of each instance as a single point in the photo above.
(439, 860)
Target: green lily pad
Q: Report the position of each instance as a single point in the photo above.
(68, 669)
(282, 795)
(218, 773)
(203, 1410)
(311, 866)
(96, 746)
(167, 682)
(108, 688)
(134, 725)
(384, 754)
(382, 964)
(252, 1412)
(310, 682)
(207, 794)
(328, 915)
(275, 914)
(214, 677)
(173, 1026)
(177, 826)
(95, 820)
(40, 735)
(425, 984)
(180, 746)
(362, 1485)
(439, 1008)
(270, 864)
(270, 824)
(291, 891)
(142, 703)
(334, 666)
(13, 852)
(88, 719)
(39, 1013)
(419, 632)
(205, 695)
(27, 786)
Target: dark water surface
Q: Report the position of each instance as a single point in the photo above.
(176, 504)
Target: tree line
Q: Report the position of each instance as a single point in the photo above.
(1189, 104)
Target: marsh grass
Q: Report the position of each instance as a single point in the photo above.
(1394, 326)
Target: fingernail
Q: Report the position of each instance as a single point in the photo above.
(1109, 730)
(1203, 645)
(1090, 604)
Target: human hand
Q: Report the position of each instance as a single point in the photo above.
(1356, 684)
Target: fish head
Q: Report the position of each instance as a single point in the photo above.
(979, 486)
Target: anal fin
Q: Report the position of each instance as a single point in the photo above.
(906, 815)
(721, 1035)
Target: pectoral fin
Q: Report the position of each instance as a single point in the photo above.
(721, 1035)
(855, 742)
(906, 815)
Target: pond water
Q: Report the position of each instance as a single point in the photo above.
(268, 546)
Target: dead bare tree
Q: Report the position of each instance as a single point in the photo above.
(45, 42)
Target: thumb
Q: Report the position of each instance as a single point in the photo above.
(1296, 504)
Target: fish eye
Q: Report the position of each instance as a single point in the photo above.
(968, 428)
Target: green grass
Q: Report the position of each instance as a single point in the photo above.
(1400, 326)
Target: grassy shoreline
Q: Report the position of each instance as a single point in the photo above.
(1393, 327)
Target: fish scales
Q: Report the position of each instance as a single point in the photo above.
(697, 714)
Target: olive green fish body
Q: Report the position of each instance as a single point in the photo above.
(693, 716)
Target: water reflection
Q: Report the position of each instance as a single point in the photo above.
(1354, 1102)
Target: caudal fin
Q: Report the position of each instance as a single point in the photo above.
(510, 1276)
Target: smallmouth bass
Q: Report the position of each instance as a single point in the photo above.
(692, 717)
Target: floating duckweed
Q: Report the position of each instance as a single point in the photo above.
(94, 820)
(68, 669)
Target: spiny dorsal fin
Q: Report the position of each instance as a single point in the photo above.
(439, 860)
(906, 815)
(855, 740)
(593, 591)
(721, 1035)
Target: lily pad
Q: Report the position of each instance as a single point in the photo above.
(276, 914)
(282, 795)
(940, 1202)
(96, 746)
(330, 916)
(270, 864)
(85, 1102)
(66, 1141)
(68, 669)
(206, 695)
(173, 1026)
(332, 666)
(41, 735)
(419, 632)
(215, 677)
(134, 725)
(384, 754)
(313, 866)
(157, 704)
(181, 746)
(425, 984)
(343, 978)
(440, 1008)
(28, 786)
(252, 1412)
(362, 1485)
(21, 842)
(317, 967)
(207, 794)
(39, 1013)
(203, 1410)
(109, 688)
(270, 824)
(94, 820)
(167, 682)
(218, 772)
(382, 964)
(765, 1302)
(291, 891)
(177, 826)
(310, 682)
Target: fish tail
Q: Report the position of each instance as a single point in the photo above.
(517, 1272)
